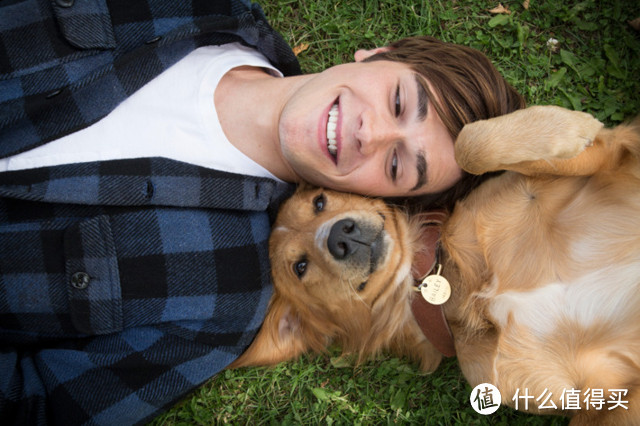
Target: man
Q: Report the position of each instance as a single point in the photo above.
(145, 148)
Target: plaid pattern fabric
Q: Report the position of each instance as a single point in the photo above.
(63, 68)
(172, 292)
(123, 284)
(142, 182)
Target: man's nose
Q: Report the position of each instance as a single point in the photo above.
(376, 132)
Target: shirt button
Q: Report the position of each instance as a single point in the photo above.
(65, 3)
(80, 280)
(53, 94)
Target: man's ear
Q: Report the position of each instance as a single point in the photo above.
(363, 54)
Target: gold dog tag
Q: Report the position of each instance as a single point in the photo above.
(435, 288)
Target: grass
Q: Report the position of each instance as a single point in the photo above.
(326, 391)
(594, 67)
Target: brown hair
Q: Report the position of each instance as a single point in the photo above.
(468, 88)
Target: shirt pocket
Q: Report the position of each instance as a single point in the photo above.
(85, 24)
(93, 283)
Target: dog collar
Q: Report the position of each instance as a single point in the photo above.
(430, 317)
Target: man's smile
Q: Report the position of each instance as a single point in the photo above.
(332, 125)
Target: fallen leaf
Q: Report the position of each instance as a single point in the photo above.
(500, 9)
(635, 24)
(300, 48)
(525, 4)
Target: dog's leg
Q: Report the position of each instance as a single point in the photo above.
(603, 154)
(532, 140)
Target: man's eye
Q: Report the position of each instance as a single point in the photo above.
(398, 104)
(394, 166)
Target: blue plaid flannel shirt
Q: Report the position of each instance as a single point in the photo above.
(123, 284)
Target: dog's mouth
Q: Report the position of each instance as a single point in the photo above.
(378, 247)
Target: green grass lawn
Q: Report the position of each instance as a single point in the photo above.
(594, 66)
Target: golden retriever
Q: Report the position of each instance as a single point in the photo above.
(543, 262)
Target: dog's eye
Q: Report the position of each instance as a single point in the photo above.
(319, 202)
(300, 267)
(362, 286)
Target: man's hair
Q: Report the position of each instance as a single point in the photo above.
(467, 87)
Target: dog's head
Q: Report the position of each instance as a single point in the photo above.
(330, 250)
(341, 268)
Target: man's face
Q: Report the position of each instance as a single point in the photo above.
(366, 127)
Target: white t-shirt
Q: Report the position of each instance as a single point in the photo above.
(172, 116)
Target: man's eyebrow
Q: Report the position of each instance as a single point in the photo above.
(421, 167)
(423, 99)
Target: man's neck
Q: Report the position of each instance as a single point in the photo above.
(249, 103)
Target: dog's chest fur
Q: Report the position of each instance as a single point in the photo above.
(603, 296)
(533, 310)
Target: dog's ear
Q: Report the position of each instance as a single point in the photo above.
(279, 339)
(288, 325)
(429, 224)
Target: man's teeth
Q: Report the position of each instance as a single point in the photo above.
(332, 124)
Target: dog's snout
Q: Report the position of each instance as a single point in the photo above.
(343, 238)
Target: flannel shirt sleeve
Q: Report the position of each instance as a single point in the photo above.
(192, 286)
(179, 286)
(117, 379)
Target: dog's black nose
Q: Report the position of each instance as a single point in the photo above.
(343, 238)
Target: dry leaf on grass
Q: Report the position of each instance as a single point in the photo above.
(500, 9)
(300, 48)
(635, 24)
(525, 4)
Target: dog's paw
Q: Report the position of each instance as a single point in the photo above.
(563, 133)
(534, 133)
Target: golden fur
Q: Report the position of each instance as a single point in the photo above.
(544, 263)
(327, 304)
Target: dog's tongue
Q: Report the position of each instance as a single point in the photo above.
(425, 257)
